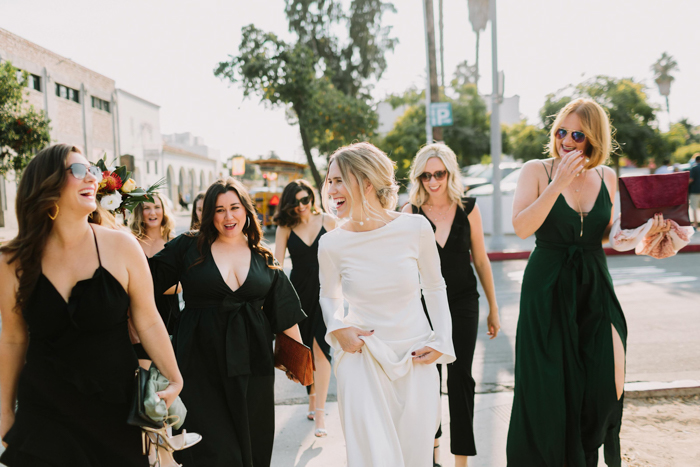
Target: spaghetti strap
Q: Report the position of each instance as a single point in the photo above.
(94, 236)
(549, 174)
(601, 174)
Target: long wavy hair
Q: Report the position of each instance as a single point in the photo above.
(252, 230)
(286, 215)
(167, 224)
(418, 195)
(39, 190)
(194, 221)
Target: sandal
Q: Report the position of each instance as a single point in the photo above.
(320, 432)
(162, 438)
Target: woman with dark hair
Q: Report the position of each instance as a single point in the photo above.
(197, 211)
(300, 226)
(70, 283)
(236, 297)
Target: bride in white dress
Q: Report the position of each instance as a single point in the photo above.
(384, 349)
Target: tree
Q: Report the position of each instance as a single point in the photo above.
(478, 17)
(323, 80)
(468, 136)
(527, 141)
(23, 130)
(662, 69)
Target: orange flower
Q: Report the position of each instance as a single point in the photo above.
(111, 181)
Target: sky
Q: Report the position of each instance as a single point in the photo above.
(165, 51)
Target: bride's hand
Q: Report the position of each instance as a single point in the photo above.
(349, 338)
(659, 226)
(426, 355)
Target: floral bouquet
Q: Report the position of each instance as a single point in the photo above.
(118, 193)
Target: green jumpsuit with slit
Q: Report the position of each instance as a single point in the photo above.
(565, 404)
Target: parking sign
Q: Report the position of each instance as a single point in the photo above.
(441, 114)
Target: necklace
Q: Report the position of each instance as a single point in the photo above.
(438, 215)
(578, 200)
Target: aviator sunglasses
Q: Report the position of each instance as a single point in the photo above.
(80, 171)
(305, 200)
(577, 136)
(439, 175)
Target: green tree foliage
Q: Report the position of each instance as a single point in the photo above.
(322, 79)
(527, 141)
(684, 153)
(468, 137)
(23, 130)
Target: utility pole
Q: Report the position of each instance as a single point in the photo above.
(442, 50)
(428, 126)
(497, 241)
(432, 66)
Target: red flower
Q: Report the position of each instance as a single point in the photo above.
(20, 122)
(111, 181)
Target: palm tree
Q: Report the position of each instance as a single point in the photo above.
(662, 69)
(478, 16)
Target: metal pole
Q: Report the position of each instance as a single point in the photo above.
(428, 126)
(497, 241)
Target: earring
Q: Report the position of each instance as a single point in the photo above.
(53, 218)
(247, 222)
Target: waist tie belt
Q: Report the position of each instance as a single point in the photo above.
(247, 344)
(566, 290)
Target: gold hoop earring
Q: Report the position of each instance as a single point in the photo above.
(53, 218)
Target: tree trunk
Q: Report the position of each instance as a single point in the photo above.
(309, 157)
(434, 90)
(476, 65)
(442, 49)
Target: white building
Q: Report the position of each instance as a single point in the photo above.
(190, 166)
(140, 138)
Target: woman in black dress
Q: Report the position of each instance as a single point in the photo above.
(153, 226)
(70, 282)
(437, 195)
(300, 225)
(236, 297)
(196, 218)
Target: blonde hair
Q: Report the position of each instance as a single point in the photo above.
(367, 163)
(167, 225)
(418, 194)
(595, 124)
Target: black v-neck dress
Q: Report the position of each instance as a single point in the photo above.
(74, 390)
(305, 280)
(462, 295)
(224, 349)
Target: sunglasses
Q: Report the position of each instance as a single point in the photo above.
(80, 171)
(577, 136)
(439, 175)
(305, 200)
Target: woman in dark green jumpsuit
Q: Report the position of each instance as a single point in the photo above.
(571, 337)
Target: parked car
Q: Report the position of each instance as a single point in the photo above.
(484, 177)
(508, 184)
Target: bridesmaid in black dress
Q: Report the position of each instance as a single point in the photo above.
(437, 195)
(236, 298)
(69, 282)
(300, 225)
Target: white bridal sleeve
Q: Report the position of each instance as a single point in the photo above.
(331, 295)
(435, 293)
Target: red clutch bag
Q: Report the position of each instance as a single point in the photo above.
(645, 195)
(295, 357)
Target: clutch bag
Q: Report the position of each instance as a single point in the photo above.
(137, 413)
(295, 357)
(645, 195)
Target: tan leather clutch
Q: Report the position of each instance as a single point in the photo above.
(295, 357)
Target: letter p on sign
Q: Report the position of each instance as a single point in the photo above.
(441, 114)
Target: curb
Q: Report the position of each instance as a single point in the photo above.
(509, 255)
(642, 390)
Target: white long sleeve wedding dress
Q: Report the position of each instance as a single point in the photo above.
(389, 406)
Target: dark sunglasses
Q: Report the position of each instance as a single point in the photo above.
(439, 175)
(80, 171)
(577, 136)
(305, 200)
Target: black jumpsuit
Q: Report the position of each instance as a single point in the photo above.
(455, 262)
(224, 349)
